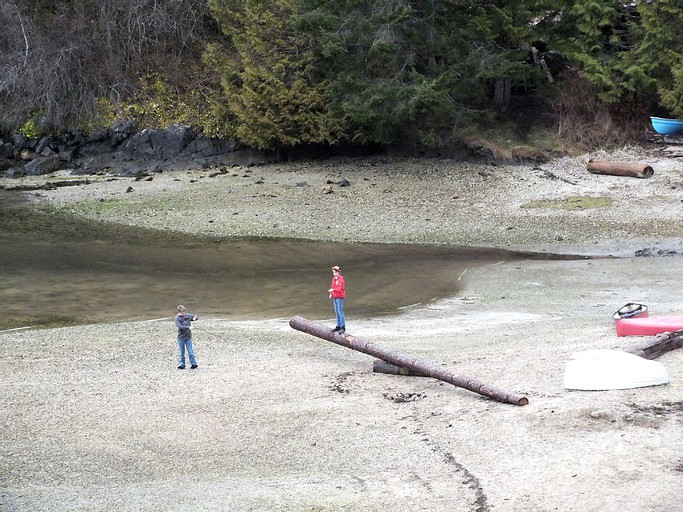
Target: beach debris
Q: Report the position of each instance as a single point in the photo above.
(401, 398)
(631, 310)
(605, 369)
(660, 344)
(673, 151)
(620, 168)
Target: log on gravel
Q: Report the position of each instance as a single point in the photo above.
(620, 168)
(406, 361)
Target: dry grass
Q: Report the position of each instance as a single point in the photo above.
(584, 122)
(503, 150)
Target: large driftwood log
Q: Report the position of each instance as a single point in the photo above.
(659, 345)
(405, 361)
(620, 168)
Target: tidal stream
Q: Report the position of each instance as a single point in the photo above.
(55, 266)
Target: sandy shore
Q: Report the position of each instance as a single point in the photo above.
(98, 418)
(557, 206)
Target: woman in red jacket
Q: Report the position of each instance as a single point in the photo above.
(337, 294)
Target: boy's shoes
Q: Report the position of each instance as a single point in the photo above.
(342, 330)
(193, 366)
(336, 329)
(181, 367)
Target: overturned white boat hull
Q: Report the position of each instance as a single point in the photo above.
(603, 369)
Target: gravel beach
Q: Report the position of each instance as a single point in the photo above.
(98, 418)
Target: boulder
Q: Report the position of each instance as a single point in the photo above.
(43, 145)
(94, 146)
(137, 168)
(15, 172)
(26, 155)
(19, 142)
(139, 145)
(4, 163)
(42, 165)
(171, 142)
(205, 147)
(121, 130)
(158, 144)
(103, 161)
(66, 155)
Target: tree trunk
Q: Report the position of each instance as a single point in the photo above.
(502, 93)
(405, 361)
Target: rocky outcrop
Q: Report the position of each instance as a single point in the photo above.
(123, 150)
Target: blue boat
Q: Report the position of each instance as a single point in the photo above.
(666, 126)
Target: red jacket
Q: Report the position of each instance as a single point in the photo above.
(337, 287)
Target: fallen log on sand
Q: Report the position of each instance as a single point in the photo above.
(404, 361)
(620, 168)
(661, 344)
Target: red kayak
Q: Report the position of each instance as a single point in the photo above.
(648, 325)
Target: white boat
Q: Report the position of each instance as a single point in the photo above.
(603, 369)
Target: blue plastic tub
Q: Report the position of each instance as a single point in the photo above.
(666, 126)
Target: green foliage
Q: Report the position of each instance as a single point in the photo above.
(386, 70)
(372, 71)
(596, 36)
(157, 104)
(272, 95)
(30, 128)
(672, 94)
(286, 72)
(630, 52)
(658, 53)
(103, 115)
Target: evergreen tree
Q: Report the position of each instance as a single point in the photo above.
(416, 72)
(660, 52)
(597, 37)
(272, 96)
(364, 71)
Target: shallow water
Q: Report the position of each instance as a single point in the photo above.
(54, 267)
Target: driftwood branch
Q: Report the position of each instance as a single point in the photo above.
(673, 151)
(540, 62)
(659, 345)
(620, 168)
(23, 32)
(405, 361)
(51, 185)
